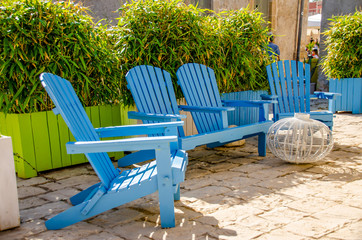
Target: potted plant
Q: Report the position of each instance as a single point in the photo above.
(9, 207)
(61, 38)
(343, 62)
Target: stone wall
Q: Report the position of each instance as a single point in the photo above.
(103, 9)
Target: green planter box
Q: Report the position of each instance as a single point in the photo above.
(39, 138)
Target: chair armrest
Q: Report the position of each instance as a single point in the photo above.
(325, 95)
(247, 103)
(268, 97)
(158, 117)
(205, 109)
(140, 129)
(130, 144)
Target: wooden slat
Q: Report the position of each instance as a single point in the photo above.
(41, 141)
(289, 85)
(297, 103)
(283, 86)
(54, 140)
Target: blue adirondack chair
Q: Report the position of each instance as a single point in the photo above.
(289, 83)
(155, 99)
(117, 187)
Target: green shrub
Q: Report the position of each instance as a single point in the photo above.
(238, 43)
(167, 34)
(344, 47)
(40, 36)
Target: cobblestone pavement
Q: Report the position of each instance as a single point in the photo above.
(229, 193)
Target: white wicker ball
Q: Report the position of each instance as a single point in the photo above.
(299, 139)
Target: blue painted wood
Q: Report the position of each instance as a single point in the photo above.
(199, 86)
(289, 81)
(206, 115)
(243, 115)
(117, 187)
(351, 90)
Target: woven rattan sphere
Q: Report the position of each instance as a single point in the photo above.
(299, 139)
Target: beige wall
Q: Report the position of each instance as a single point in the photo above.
(224, 5)
(284, 22)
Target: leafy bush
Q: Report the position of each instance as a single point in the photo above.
(344, 47)
(167, 34)
(40, 36)
(238, 42)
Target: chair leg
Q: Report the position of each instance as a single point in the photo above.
(177, 195)
(262, 144)
(80, 197)
(165, 188)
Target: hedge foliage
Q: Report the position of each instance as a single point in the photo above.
(167, 34)
(40, 36)
(344, 47)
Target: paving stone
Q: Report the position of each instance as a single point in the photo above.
(79, 180)
(280, 182)
(340, 211)
(311, 204)
(68, 172)
(279, 234)
(199, 183)
(115, 217)
(24, 192)
(62, 194)
(315, 228)
(270, 201)
(205, 192)
(103, 235)
(46, 210)
(265, 174)
(249, 193)
(238, 183)
(196, 173)
(27, 229)
(134, 230)
(31, 181)
(30, 202)
(283, 215)
(237, 232)
(352, 231)
(250, 168)
(229, 216)
(76, 231)
(223, 166)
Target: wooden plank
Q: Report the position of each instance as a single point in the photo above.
(43, 155)
(116, 121)
(64, 137)
(357, 96)
(54, 140)
(3, 125)
(23, 144)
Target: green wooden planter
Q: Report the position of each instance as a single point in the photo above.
(39, 138)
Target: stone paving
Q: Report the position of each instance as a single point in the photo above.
(229, 193)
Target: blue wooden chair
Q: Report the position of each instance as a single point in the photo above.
(289, 83)
(155, 99)
(117, 187)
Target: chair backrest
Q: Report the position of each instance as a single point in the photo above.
(68, 105)
(152, 91)
(199, 86)
(290, 81)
